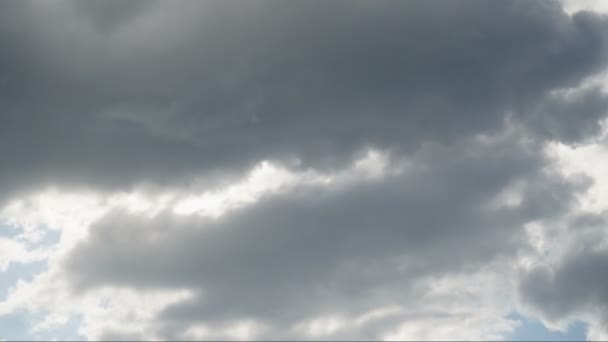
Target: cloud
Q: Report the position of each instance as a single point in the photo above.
(573, 6)
(571, 116)
(301, 169)
(11, 251)
(325, 249)
(570, 288)
(159, 99)
(566, 283)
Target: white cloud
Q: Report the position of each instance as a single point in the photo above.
(588, 160)
(12, 251)
(573, 6)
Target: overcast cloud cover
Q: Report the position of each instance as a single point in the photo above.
(303, 170)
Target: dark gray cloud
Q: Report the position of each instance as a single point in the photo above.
(112, 94)
(314, 251)
(111, 14)
(573, 288)
(570, 118)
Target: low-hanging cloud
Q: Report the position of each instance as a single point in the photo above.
(157, 98)
(459, 99)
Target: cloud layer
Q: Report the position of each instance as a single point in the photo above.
(302, 169)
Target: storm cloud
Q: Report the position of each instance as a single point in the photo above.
(405, 145)
(119, 93)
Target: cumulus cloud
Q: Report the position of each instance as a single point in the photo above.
(315, 251)
(574, 286)
(566, 284)
(302, 169)
(11, 251)
(164, 91)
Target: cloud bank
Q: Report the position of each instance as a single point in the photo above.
(303, 170)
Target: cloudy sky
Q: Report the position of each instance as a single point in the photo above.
(362, 169)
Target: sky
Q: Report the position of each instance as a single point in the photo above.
(310, 170)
